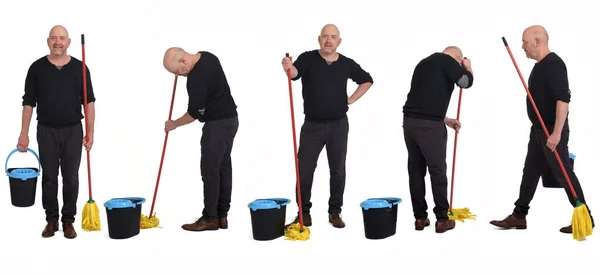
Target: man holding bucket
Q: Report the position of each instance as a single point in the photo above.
(210, 102)
(54, 84)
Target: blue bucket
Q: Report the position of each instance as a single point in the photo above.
(23, 181)
(268, 218)
(124, 216)
(380, 217)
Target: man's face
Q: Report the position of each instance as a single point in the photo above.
(182, 68)
(58, 42)
(458, 57)
(329, 40)
(530, 45)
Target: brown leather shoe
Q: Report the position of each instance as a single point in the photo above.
(202, 224)
(305, 218)
(223, 224)
(569, 228)
(443, 226)
(420, 224)
(511, 222)
(49, 230)
(336, 220)
(69, 231)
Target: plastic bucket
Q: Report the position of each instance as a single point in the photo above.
(548, 178)
(379, 217)
(23, 182)
(268, 218)
(123, 217)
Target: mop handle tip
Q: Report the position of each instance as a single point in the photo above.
(504, 40)
(82, 39)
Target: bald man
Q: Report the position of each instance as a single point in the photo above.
(325, 74)
(210, 102)
(425, 133)
(549, 87)
(54, 83)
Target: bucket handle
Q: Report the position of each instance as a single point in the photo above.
(16, 150)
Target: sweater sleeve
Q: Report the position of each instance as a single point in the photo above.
(90, 89)
(31, 88)
(301, 64)
(197, 92)
(358, 74)
(458, 74)
(556, 74)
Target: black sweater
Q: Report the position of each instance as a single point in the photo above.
(57, 92)
(548, 83)
(324, 86)
(208, 90)
(432, 85)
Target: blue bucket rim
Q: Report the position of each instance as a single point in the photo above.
(32, 174)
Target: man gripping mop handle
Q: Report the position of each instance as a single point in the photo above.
(295, 147)
(562, 167)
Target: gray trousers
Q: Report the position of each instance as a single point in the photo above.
(215, 165)
(60, 149)
(426, 142)
(332, 135)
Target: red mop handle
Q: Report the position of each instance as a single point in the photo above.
(562, 167)
(162, 157)
(455, 144)
(85, 108)
(289, 75)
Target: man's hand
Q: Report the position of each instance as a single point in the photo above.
(23, 142)
(453, 123)
(286, 62)
(170, 125)
(553, 140)
(90, 140)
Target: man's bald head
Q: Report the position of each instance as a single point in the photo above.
(455, 52)
(535, 42)
(538, 33)
(329, 39)
(330, 29)
(58, 41)
(178, 61)
(171, 58)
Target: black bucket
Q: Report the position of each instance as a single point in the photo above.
(380, 217)
(123, 217)
(23, 182)
(548, 178)
(268, 218)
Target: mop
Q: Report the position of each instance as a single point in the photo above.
(152, 221)
(90, 217)
(581, 220)
(457, 214)
(296, 231)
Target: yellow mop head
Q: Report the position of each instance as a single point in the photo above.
(293, 233)
(146, 222)
(90, 220)
(460, 214)
(582, 223)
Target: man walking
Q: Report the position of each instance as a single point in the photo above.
(549, 87)
(210, 102)
(325, 74)
(54, 84)
(425, 132)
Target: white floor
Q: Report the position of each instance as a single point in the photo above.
(474, 247)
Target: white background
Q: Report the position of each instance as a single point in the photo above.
(125, 42)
